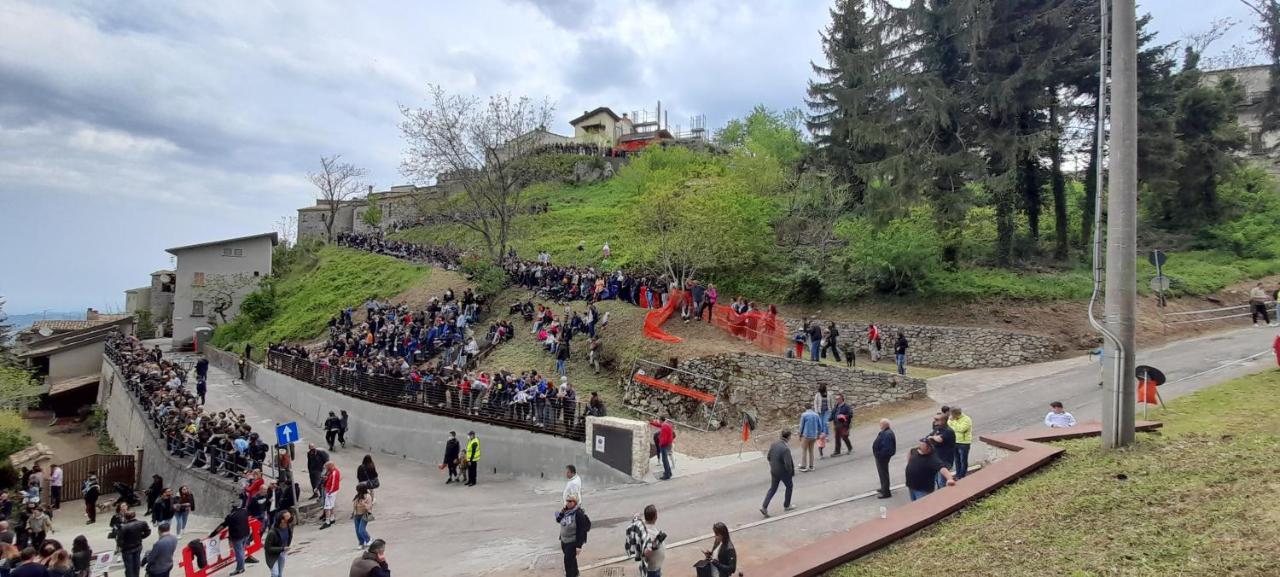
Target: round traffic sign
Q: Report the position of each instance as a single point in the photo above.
(1157, 258)
(1160, 283)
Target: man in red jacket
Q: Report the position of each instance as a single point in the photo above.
(332, 483)
(666, 436)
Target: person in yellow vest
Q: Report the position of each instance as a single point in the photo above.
(472, 457)
(963, 427)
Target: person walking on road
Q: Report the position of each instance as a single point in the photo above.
(883, 449)
(332, 426)
(159, 560)
(654, 550)
(92, 490)
(781, 470)
(238, 534)
(1058, 417)
(722, 555)
(943, 440)
(962, 425)
(573, 487)
(129, 537)
(55, 486)
(900, 353)
(373, 562)
(1258, 301)
(574, 525)
(810, 428)
(277, 542)
(344, 420)
(473, 457)
(361, 514)
(923, 467)
(367, 473)
(332, 484)
(665, 438)
(452, 450)
(842, 417)
(316, 459)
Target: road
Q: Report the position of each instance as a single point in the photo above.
(505, 526)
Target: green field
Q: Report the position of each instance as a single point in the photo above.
(1196, 499)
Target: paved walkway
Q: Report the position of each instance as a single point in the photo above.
(505, 526)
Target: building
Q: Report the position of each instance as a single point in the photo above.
(152, 304)
(1255, 81)
(67, 355)
(601, 126)
(399, 206)
(212, 278)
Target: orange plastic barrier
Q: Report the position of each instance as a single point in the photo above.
(674, 388)
(654, 319)
(226, 556)
(761, 328)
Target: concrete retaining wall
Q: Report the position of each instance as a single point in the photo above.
(952, 347)
(130, 428)
(421, 436)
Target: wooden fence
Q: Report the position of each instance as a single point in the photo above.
(108, 468)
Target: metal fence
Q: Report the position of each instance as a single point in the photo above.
(552, 416)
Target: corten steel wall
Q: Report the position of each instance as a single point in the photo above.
(421, 436)
(130, 429)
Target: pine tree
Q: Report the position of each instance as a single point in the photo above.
(1209, 137)
(847, 98)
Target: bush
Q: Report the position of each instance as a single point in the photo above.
(489, 278)
(897, 257)
(260, 305)
(804, 285)
(1251, 215)
(13, 433)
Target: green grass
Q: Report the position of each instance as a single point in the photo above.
(1197, 499)
(305, 299)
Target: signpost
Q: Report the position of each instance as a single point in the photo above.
(287, 434)
(1160, 283)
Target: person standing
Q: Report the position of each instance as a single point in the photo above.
(665, 438)
(722, 555)
(810, 428)
(944, 442)
(562, 356)
(452, 450)
(332, 484)
(55, 486)
(883, 449)
(159, 560)
(873, 341)
(654, 551)
(373, 562)
(1057, 417)
(316, 459)
(900, 353)
(367, 473)
(829, 342)
(1258, 302)
(129, 538)
(277, 542)
(923, 468)
(781, 470)
(361, 511)
(815, 340)
(81, 556)
(345, 422)
(238, 533)
(92, 490)
(39, 525)
(574, 525)
(573, 487)
(332, 426)
(186, 503)
(163, 509)
(842, 416)
(473, 457)
(962, 425)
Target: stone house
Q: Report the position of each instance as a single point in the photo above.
(156, 299)
(399, 205)
(67, 355)
(211, 272)
(1255, 81)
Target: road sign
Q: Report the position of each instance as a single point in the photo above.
(1157, 258)
(287, 434)
(1160, 283)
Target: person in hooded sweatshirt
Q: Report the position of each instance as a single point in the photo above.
(373, 562)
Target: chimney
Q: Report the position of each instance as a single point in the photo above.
(584, 112)
(90, 315)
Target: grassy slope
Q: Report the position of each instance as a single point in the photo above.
(306, 299)
(1199, 499)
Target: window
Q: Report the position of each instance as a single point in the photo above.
(226, 252)
(197, 308)
(239, 252)
(1256, 143)
(197, 279)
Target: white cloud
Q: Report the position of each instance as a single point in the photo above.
(115, 142)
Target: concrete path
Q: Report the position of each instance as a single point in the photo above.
(505, 526)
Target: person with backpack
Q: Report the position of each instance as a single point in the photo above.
(574, 525)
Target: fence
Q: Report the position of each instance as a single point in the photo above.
(1218, 314)
(503, 407)
(110, 469)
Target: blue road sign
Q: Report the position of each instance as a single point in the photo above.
(287, 434)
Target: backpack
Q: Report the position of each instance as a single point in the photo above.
(586, 522)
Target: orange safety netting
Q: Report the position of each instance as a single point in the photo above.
(654, 319)
(674, 388)
(763, 329)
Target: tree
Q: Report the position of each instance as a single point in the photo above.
(220, 292)
(767, 132)
(372, 215)
(287, 229)
(1268, 29)
(338, 182)
(6, 336)
(477, 146)
(18, 388)
(1209, 137)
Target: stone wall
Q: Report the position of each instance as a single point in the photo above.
(953, 347)
(776, 389)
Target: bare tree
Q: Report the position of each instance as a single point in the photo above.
(287, 228)
(221, 291)
(338, 182)
(476, 145)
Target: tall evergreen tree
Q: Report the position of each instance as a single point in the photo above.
(1209, 137)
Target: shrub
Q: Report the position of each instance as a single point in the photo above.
(13, 433)
(896, 257)
(1251, 215)
(489, 278)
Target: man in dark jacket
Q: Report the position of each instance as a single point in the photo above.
(883, 448)
(129, 540)
(815, 340)
(237, 525)
(451, 452)
(781, 469)
(842, 416)
(332, 427)
(159, 560)
(277, 542)
(373, 563)
(943, 440)
(315, 468)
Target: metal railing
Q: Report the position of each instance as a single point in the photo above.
(495, 406)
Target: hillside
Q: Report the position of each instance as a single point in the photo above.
(1196, 499)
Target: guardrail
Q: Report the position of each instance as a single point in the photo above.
(551, 416)
(1220, 314)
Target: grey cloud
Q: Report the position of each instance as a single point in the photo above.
(567, 14)
(603, 63)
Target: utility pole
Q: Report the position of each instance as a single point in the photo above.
(1120, 392)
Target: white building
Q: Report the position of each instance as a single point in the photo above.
(212, 278)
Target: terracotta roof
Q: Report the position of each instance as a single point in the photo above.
(72, 339)
(62, 325)
(586, 115)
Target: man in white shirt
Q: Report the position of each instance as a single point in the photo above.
(55, 487)
(1057, 417)
(573, 488)
(655, 549)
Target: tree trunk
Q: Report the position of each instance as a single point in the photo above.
(1029, 187)
(1059, 183)
(1090, 192)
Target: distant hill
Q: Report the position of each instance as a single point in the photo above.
(19, 322)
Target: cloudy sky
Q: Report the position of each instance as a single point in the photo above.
(129, 127)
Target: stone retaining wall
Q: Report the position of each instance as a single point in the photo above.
(776, 389)
(953, 347)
